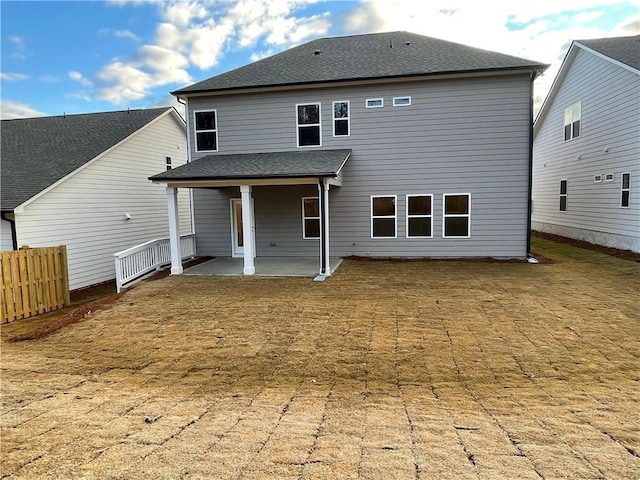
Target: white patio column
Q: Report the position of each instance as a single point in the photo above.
(247, 225)
(325, 230)
(174, 231)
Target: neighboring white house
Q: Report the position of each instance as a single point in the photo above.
(81, 181)
(586, 170)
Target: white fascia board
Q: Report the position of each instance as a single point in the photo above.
(170, 110)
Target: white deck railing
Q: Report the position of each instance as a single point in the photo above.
(135, 262)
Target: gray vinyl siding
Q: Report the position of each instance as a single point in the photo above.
(458, 136)
(6, 241)
(609, 142)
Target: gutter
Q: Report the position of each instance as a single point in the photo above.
(530, 186)
(12, 222)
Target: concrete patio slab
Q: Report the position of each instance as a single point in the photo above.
(265, 266)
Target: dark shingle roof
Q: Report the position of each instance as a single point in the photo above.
(623, 49)
(294, 164)
(37, 152)
(370, 56)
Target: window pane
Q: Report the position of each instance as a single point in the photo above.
(384, 206)
(577, 111)
(419, 205)
(456, 227)
(340, 110)
(568, 116)
(626, 180)
(567, 132)
(563, 187)
(205, 121)
(384, 227)
(308, 114)
(576, 129)
(625, 198)
(456, 204)
(420, 227)
(563, 203)
(342, 127)
(312, 228)
(308, 136)
(311, 207)
(206, 141)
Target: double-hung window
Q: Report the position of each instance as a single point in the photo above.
(341, 119)
(206, 131)
(456, 213)
(308, 125)
(310, 217)
(563, 195)
(572, 116)
(383, 216)
(626, 189)
(419, 216)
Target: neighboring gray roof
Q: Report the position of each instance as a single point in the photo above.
(623, 49)
(37, 152)
(372, 56)
(295, 164)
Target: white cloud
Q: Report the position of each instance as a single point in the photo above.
(19, 46)
(49, 78)
(126, 34)
(13, 77)
(9, 110)
(78, 77)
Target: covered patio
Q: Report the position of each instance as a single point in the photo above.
(322, 168)
(265, 266)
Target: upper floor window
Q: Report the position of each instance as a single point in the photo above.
(374, 103)
(456, 215)
(341, 119)
(401, 101)
(206, 131)
(572, 117)
(308, 125)
(168, 162)
(626, 189)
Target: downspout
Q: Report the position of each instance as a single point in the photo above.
(12, 222)
(186, 120)
(323, 215)
(530, 187)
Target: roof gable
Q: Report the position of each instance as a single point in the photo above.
(623, 52)
(359, 57)
(39, 152)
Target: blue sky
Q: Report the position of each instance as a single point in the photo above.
(80, 56)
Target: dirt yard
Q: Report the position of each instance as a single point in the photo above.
(417, 370)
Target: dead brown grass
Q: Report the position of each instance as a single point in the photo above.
(412, 370)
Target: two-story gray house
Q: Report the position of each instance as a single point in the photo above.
(381, 145)
(587, 146)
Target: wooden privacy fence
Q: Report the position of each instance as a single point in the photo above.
(34, 281)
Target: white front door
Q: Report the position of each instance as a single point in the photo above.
(237, 228)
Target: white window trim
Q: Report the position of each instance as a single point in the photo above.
(395, 99)
(347, 118)
(319, 125)
(597, 179)
(394, 216)
(560, 195)
(607, 175)
(622, 189)
(196, 131)
(430, 216)
(381, 100)
(455, 215)
(304, 217)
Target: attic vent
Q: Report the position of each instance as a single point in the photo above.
(317, 52)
